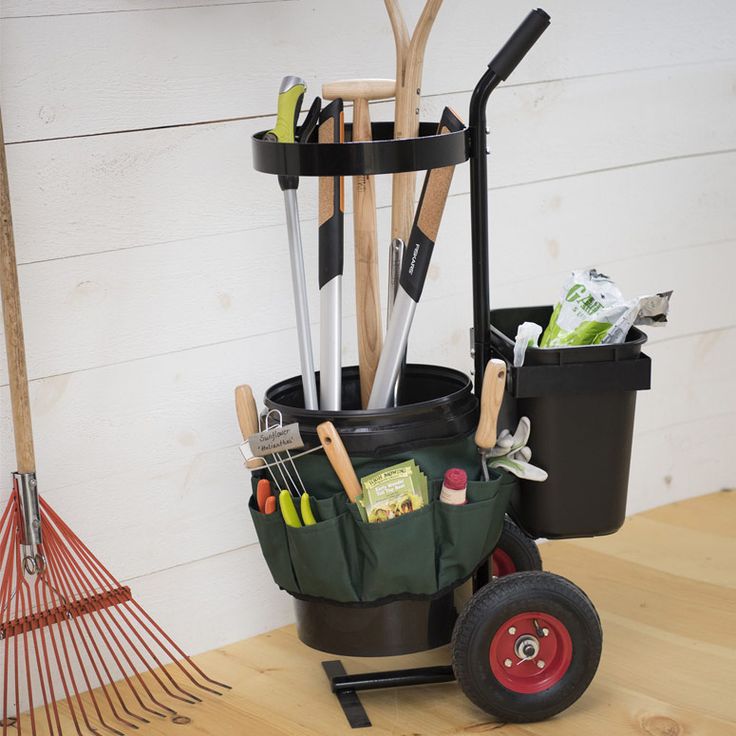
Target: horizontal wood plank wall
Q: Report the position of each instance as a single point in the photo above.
(154, 259)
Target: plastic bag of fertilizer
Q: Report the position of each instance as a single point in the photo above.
(593, 311)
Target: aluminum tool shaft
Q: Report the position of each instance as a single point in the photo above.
(330, 359)
(299, 282)
(394, 347)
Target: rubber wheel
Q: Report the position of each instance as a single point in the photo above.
(526, 646)
(515, 552)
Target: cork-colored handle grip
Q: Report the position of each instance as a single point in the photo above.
(14, 344)
(359, 89)
(339, 459)
(245, 406)
(494, 384)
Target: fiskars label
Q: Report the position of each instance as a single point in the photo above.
(278, 439)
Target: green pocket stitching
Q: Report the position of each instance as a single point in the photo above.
(271, 532)
(323, 557)
(397, 556)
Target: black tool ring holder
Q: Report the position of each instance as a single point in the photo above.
(382, 155)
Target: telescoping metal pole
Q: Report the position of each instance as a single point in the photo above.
(501, 66)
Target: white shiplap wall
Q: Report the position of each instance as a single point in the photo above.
(149, 248)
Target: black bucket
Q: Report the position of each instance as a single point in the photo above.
(433, 424)
(437, 413)
(581, 403)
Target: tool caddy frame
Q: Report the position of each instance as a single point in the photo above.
(516, 610)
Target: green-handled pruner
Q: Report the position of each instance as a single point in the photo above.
(291, 95)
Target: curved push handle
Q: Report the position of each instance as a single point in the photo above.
(523, 38)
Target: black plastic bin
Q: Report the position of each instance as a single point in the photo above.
(581, 402)
(407, 579)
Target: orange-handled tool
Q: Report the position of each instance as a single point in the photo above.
(339, 459)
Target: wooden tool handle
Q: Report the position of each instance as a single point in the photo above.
(409, 64)
(245, 406)
(494, 384)
(359, 89)
(14, 344)
(339, 459)
(367, 295)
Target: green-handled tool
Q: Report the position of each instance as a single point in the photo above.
(291, 95)
(306, 509)
(288, 510)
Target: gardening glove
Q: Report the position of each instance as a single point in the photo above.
(512, 454)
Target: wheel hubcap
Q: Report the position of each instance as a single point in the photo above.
(539, 649)
(501, 564)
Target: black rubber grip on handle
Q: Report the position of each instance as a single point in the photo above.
(516, 48)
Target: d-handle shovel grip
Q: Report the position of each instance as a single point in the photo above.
(494, 384)
(245, 407)
(339, 459)
(516, 48)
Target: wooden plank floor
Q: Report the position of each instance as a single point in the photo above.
(665, 587)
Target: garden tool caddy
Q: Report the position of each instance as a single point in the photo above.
(528, 642)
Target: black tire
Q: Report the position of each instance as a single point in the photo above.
(514, 552)
(479, 637)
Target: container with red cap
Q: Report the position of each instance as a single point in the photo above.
(454, 487)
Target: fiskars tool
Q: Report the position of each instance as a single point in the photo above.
(339, 459)
(291, 94)
(367, 298)
(491, 397)
(67, 625)
(414, 271)
(331, 236)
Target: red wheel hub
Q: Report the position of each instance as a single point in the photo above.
(530, 652)
(501, 563)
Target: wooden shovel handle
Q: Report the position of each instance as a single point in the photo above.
(494, 384)
(14, 345)
(245, 407)
(367, 295)
(339, 459)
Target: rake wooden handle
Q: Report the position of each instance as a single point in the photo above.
(339, 459)
(494, 384)
(14, 344)
(245, 407)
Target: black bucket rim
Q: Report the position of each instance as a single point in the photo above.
(353, 372)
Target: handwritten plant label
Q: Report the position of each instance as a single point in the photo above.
(277, 439)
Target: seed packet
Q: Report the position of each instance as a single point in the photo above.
(393, 492)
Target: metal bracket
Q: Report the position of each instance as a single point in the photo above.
(346, 686)
(348, 699)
